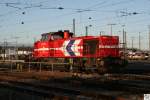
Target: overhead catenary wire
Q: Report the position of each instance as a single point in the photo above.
(103, 19)
(97, 4)
(80, 10)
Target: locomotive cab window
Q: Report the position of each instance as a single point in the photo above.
(45, 37)
(57, 35)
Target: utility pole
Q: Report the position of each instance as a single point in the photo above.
(123, 33)
(74, 27)
(149, 39)
(132, 42)
(4, 50)
(124, 40)
(71, 59)
(100, 33)
(86, 30)
(111, 28)
(139, 41)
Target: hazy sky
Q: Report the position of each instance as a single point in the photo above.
(40, 16)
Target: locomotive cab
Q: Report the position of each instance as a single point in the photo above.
(56, 35)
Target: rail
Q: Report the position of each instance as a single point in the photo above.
(73, 87)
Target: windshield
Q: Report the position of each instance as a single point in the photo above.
(44, 38)
(56, 36)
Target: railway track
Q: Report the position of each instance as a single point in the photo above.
(51, 82)
(48, 74)
(128, 76)
(71, 90)
(108, 86)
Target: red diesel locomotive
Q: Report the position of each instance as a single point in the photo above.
(101, 52)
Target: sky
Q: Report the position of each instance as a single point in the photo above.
(23, 21)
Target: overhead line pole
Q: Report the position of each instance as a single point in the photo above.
(139, 40)
(74, 27)
(125, 38)
(111, 28)
(71, 59)
(149, 37)
(4, 49)
(86, 30)
(132, 42)
(124, 41)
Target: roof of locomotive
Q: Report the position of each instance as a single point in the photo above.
(89, 37)
(59, 32)
(48, 33)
